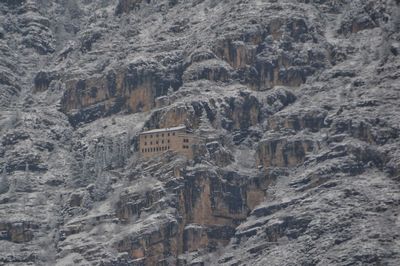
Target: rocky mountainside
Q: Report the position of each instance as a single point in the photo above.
(296, 103)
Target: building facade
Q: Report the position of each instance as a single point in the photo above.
(158, 141)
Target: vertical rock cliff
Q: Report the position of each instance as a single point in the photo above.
(295, 104)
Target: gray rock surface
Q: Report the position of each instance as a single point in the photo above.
(296, 104)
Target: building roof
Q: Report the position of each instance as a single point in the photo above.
(160, 130)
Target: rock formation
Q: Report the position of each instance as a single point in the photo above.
(295, 104)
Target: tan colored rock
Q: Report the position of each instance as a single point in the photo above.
(283, 152)
(195, 238)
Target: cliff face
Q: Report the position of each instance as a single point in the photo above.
(295, 104)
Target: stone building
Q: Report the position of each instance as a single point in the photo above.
(158, 141)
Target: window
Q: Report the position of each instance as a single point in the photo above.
(168, 134)
(157, 142)
(162, 141)
(151, 143)
(173, 134)
(145, 136)
(186, 140)
(162, 135)
(145, 143)
(151, 136)
(168, 141)
(142, 150)
(168, 147)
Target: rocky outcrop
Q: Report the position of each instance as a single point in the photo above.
(362, 129)
(219, 154)
(283, 152)
(130, 206)
(268, 58)
(214, 70)
(313, 120)
(133, 89)
(367, 15)
(202, 209)
(9, 83)
(36, 32)
(124, 6)
(241, 112)
(181, 114)
(17, 232)
(43, 79)
(294, 104)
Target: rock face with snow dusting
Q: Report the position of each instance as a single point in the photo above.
(296, 104)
